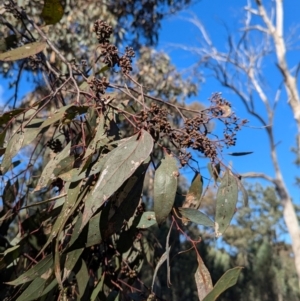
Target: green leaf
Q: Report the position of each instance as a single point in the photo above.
(71, 260)
(34, 290)
(203, 279)
(195, 192)
(197, 217)
(147, 220)
(125, 201)
(82, 277)
(52, 12)
(23, 51)
(69, 206)
(48, 171)
(98, 288)
(120, 164)
(227, 280)
(193, 197)
(99, 135)
(64, 113)
(165, 186)
(9, 256)
(227, 197)
(42, 267)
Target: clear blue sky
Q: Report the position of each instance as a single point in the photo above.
(176, 30)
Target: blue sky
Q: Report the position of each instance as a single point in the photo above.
(177, 31)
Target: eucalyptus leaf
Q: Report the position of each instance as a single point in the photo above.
(162, 259)
(120, 164)
(48, 171)
(42, 267)
(229, 279)
(147, 220)
(196, 216)
(23, 51)
(227, 197)
(214, 170)
(203, 279)
(165, 186)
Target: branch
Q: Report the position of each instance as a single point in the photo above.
(258, 175)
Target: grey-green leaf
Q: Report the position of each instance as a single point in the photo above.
(23, 51)
(227, 280)
(147, 220)
(196, 216)
(120, 164)
(48, 172)
(38, 270)
(165, 186)
(227, 197)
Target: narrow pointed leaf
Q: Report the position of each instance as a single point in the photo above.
(98, 288)
(48, 172)
(195, 192)
(227, 197)
(52, 12)
(193, 197)
(69, 206)
(203, 279)
(38, 287)
(162, 259)
(23, 51)
(82, 277)
(9, 256)
(214, 170)
(34, 290)
(165, 186)
(229, 279)
(196, 216)
(99, 135)
(120, 164)
(38, 270)
(240, 154)
(71, 260)
(125, 201)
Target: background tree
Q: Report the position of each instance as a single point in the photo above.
(241, 70)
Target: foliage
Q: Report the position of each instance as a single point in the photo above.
(86, 148)
(256, 241)
(254, 63)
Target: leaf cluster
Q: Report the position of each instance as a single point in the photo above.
(87, 237)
